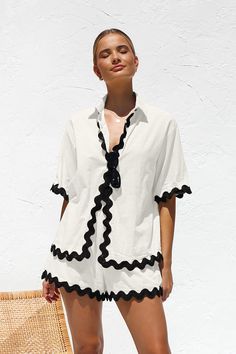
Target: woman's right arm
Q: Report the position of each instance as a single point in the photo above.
(50, 291)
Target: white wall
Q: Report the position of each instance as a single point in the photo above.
(187, 66)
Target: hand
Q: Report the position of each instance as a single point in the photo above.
(167, 281)
(50, 291)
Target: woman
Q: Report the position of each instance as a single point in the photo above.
(120, 170)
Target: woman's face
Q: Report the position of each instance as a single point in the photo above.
(113, 49)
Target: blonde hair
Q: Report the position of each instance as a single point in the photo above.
(103, 34)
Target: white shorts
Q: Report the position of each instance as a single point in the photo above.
(90, 277)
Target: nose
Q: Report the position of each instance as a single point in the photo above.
(115, 57)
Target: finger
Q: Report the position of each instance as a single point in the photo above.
(164, 294)
(167, 293)
(52, 289)
(57, 291)
(45, 289)
(55, 296)
(48, 299)
(52, 298)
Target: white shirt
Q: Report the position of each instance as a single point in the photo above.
(146, 167)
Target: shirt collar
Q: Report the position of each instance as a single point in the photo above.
(139, 105)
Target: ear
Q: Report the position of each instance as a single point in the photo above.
(96, 71)
(136, 61)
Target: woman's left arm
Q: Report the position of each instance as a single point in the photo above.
(167, 223)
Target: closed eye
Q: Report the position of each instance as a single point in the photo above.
(122, 49)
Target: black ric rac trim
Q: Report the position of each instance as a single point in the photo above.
(111, 179)
(178, 192)
(59, 190)
(156, 291)
(56, 251)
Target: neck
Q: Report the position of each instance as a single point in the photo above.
(120, 99)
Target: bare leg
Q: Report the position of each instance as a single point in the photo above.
(147, 324)
(85, 321)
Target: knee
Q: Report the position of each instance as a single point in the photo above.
(158, 348)
(94, 346)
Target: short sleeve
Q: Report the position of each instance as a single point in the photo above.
(66, 164)
(171, 171)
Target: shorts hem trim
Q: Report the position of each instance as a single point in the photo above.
(156, 291)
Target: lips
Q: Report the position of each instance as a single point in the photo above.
(117, 67)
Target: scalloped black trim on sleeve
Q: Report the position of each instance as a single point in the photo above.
(59, 190)
(178, 192)
(102, 296)
(56, 251)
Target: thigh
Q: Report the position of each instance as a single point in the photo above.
(85, 319)
(147, 323)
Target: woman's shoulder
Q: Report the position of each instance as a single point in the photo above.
(82, 117)
(81, 113)
(157, 114)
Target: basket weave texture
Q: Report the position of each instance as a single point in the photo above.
(31, 325)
